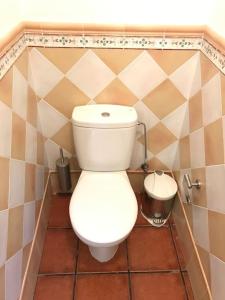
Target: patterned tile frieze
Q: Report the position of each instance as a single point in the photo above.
(107, 41)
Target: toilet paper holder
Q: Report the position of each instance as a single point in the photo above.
(196, 184)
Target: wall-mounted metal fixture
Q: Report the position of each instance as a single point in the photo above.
(196, 184)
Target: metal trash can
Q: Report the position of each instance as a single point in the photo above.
(157, 201)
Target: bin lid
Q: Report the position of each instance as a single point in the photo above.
(160, 186)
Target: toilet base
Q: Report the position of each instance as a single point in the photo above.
(103, 254)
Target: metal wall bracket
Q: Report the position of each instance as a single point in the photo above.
(196, 184)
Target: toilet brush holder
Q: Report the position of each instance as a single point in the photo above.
(63, 169)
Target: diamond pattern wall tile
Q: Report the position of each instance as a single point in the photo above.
(63, 58)
(65, 96)
(177, 121)
(169, 60)
(52, 150)
(31, 144)
(6, 130)
(187, 78)
(116, 92)
(138, 156)
(142, 75)
(211, 100)
(64, 138)
(168, 155)
(51, 120)
(22, 64)
(159, 137)
(90, 74)
(42, 74)
(6, 88)
(156, 164)
(146, 116)
(164, 99)
(19, 94)
(208, 69)
(117, 59)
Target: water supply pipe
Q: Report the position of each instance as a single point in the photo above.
(144, 166)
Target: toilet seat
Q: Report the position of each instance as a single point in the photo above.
(103, 207)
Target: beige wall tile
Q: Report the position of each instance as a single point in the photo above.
(18, 137)
(164, 99)
(116, 93)
(65, 96)
(15, 230)
(185, 159)
(156, 164)
(222, 77)
(188, 211)
(117, 59)
(26, 252)
(205, 260)
(208, 69)
(159, 137)
(22, 64)
(214, 143)
(169, 60)
(195, 111)
(40, 148)
(30, 182)
(6, 88)
(199, 195)
(37, 209)
(64, 138)
(32, 107)
(62, 58)
(216, 234)
(2, 283)
(4, 182)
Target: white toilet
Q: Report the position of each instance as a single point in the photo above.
(103, 208)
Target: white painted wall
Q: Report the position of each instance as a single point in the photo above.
(10, 16)
(142, 12)
(217, 17)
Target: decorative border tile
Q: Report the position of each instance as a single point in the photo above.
(214, 55)
(107, 41)
(11, 55)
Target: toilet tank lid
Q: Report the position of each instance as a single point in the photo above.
(160, 186)
(104, 116)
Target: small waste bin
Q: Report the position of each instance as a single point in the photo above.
(157, 201)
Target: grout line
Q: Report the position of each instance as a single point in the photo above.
(76, 266)
(155, 271)
(57, 227)
(129, 274)
(182, 277)
(55, 274)
(104, 273)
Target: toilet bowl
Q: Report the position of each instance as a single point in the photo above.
(103, 210)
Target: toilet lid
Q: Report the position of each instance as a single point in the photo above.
(103, 207)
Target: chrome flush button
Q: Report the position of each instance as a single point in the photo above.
(105, 114)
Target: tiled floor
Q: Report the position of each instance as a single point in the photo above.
(147, 266)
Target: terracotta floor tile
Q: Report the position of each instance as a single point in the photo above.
(140, 219)
(157, 286)
(188, 286)
(178, 247)
(59, 253)
(151, 248)
(86, 263)
(54, 288)
(102, 287)
(59, 212)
